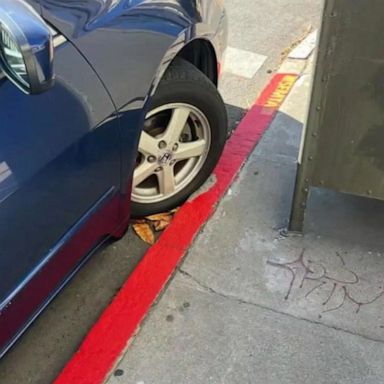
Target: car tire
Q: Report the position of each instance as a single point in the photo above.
(182, 88)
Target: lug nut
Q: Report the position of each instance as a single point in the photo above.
(151, 159)
(175, 147)
(159, 169)
(162, 144)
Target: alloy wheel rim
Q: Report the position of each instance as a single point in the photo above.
(173, 148)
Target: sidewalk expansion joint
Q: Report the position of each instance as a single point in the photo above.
(282, 160)
(212, 291)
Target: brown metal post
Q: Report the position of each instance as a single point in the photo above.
(344, 136)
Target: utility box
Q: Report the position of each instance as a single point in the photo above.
(343, 141)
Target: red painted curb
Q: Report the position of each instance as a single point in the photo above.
(110, 335)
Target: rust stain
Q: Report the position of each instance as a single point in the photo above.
(371, 146)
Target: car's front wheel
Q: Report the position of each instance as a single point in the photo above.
(182, 140)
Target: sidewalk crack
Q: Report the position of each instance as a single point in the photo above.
(269, 309)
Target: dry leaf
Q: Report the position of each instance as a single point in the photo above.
(162, 224)
(138, 221)
(144, 231)
(158, 217)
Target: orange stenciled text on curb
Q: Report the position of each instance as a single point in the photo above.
(281, 92)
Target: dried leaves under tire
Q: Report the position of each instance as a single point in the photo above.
(146, 228)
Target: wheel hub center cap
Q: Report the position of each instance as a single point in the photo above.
(165, 158)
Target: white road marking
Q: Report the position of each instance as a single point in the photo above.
(305, 48)
(242, 63)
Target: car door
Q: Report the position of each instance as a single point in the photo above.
(59, 184)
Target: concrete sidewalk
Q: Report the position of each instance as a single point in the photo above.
(250, 305)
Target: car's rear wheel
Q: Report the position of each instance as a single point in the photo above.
(182, 140)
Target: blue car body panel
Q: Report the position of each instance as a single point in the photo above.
(59, 154)
(67, 155)
(145, 34)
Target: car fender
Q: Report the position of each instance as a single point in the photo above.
(130, 43)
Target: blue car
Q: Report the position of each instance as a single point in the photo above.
(108, 109)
